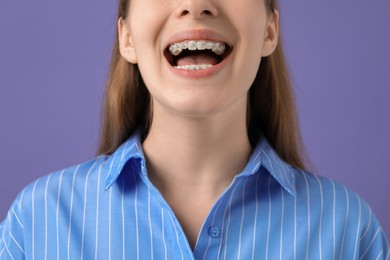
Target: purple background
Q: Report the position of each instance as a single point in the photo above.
(54, 57)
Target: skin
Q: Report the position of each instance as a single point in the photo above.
(198, 138)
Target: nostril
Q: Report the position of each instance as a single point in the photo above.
(204, 12)
(207, 12)
(185, 12)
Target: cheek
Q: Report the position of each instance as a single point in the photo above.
(250, 21)
(147, 40)
(148, 15)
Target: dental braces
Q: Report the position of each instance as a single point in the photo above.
(194, 67)
(216, 47)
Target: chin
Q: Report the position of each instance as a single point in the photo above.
(195, 108)
(203, 107)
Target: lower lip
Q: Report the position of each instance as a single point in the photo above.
(202, 73)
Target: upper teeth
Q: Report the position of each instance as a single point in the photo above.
(217, 47)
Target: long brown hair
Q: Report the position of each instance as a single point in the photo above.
(271, 102)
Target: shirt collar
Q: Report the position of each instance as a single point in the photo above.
(131, 149)
(263, 156)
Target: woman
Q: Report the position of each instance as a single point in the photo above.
(200, 153)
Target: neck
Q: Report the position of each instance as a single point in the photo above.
(191, 160)
(187, 155)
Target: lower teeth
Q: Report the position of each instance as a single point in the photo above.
(194, 67)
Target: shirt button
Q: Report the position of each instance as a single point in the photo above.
(214, 232)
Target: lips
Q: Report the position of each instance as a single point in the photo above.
(196, 57)
(197, 50)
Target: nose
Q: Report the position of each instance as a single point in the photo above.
(197, 8)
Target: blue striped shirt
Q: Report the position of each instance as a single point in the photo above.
(108, 209)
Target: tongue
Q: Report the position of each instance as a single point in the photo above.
(197, 59)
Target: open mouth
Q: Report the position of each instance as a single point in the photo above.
(196, 55)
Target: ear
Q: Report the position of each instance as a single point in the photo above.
(271, 35)
(126, 44)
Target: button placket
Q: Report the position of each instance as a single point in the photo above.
(214, 232)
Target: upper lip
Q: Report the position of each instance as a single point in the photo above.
(197, 34)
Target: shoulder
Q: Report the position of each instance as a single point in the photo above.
(327, 192)
(340, 213)
(48, 188)
(38, 200)
(57, 188)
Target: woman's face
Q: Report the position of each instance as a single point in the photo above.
(198, 57)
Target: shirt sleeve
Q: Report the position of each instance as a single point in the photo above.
(373, 241)
(12, 234)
